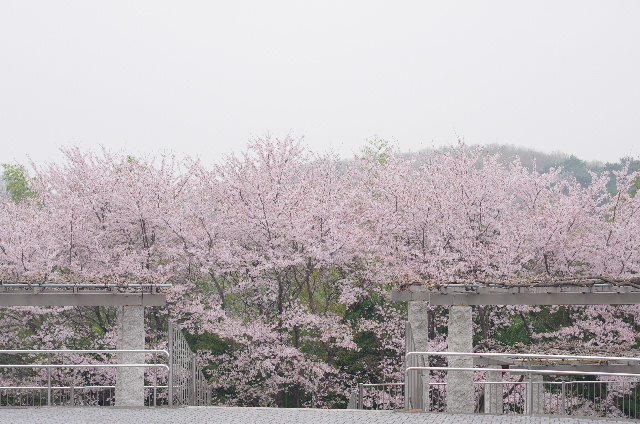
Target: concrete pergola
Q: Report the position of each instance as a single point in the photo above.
(129, 299)
(460, 297)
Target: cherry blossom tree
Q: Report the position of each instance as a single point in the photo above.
(282, 260)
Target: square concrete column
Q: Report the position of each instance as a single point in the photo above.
(417, 387)
(460, 393)
(493, 403)
(534, 395)
(130, 381)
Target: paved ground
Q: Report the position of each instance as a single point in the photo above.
(220, 415)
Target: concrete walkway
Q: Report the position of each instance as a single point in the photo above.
(223, 415)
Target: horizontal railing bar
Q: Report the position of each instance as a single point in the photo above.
(35, 351)
(83, 365)
(524, 355)
(381, 384)
(537, 382)
(518, 287)
(69, 387)
(53, 387)
(524, 371)
(551, 382)
(545, 382)
(80, 285)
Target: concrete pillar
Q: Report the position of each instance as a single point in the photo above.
(419, 381)
(534, 395)
(130, 381)
(460, 394)
(493, 393)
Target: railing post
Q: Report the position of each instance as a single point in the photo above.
(49, 380)
(635, 405)
(564, 402)
(194, 380)
(155, 378)
(408, 381)
(528, 398)
(360, 396)
(170, 349)
(408, 387)
(71, 395)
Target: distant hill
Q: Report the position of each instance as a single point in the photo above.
(572, 166)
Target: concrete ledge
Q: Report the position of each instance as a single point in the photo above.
(82, 299)
(564, 295)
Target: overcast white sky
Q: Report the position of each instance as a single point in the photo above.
(204, 77)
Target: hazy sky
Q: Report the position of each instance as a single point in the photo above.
(203, 77)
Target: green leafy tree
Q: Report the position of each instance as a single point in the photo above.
(378, 149)
(17, 183)
(636, 187)
(578, 169)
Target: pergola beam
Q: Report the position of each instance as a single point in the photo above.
(82, 299)
(607, 366)
(602, 294)
(55, 294)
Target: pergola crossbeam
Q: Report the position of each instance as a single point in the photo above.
(82, 299)
(601, 294)
(48, 294)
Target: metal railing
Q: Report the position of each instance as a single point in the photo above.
(187, 382)
(585, 398)
(567, 397)
(183, 381)
(378, 396)
(46, 394)
(72, 395)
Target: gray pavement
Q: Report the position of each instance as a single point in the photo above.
(223, 415)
